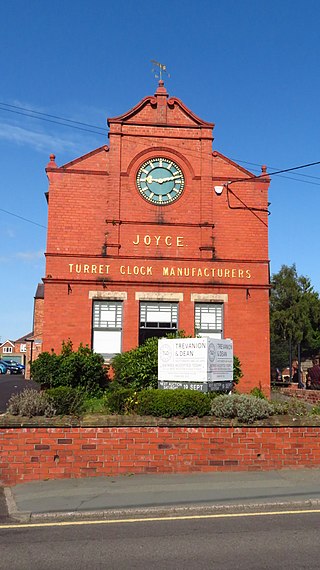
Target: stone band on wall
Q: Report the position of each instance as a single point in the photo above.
(114, 295)
(156, 296)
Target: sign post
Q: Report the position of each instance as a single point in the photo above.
(204, 364)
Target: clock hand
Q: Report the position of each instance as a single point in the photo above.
(170, 178)
(149, 179)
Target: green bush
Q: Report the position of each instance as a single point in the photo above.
(237, 372)
(120, 399)
(292, 407)
(315, 410)
(45, 369)
(257, 392)
(82, 369)
(170, 403)
(244, 407)
(66, 400)
(297, 407)
(138, 368)
(31, 403)
(96, 405)
(279, 407)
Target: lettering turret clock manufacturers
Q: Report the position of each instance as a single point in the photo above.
(160, 181)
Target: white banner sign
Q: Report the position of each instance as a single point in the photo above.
(195, 359)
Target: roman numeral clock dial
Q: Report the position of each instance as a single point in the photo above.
(160, 181)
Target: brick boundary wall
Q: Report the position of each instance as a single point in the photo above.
(33, 454)
(308, 396)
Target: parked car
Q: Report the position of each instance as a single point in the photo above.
(14, 363)
(3, 367)
(8, 367)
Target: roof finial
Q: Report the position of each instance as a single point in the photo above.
(162, 69)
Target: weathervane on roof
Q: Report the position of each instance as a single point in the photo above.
(162, 69)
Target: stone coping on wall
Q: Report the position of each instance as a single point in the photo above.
(311, 397)
(100, 420)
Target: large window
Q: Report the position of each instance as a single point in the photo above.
(7, 349)
(157, 319)
(107, 327)
(209, 319)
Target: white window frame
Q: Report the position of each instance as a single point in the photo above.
(106, 328)
(7, 349)
(208, 319)
(159, 310)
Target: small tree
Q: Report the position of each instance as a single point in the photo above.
(45, 369)
(82, 369)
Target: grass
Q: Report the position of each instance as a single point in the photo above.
(96, 405)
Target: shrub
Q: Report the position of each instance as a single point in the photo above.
(82, 369)
(297, 407)
(66, 400)
(224, 406)
(315, 410)
(170, 403)
(257, 392)
(120, 399)
(279, 407)
(237, 372)
(31, 403)
(244, 407)
(96, 405)
(291, 407)
(138, 367)
(45, 369)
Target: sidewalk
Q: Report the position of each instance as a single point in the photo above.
(110, 497)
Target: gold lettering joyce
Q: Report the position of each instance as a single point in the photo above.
(168, 241)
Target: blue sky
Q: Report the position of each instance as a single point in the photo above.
(251, 67)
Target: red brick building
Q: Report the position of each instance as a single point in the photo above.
(146, 237)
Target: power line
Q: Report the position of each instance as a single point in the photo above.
(74, 124)
(53, 116)
(63, 121)
(269, 174)
(52, 121)
(24, 219)
(263, 175)
(274, 167)
(227, 184)
(287, 177)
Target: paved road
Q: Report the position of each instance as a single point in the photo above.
(12, 384)
(266, 542)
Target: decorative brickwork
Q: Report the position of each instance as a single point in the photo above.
(30, 454)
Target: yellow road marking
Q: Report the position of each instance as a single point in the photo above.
(159, 519)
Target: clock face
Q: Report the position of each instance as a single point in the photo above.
(160, 181)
